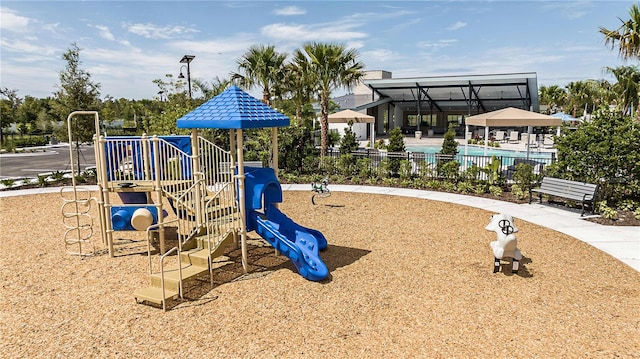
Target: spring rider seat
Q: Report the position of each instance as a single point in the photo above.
(506, 245)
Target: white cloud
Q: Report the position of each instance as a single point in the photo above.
(325, 32)
(105, 33)
(569, 9)
(27, 47)
(289, 11)
(11, 21)
(380, 55)
(457, 25)
(437, 44)
(152, 31)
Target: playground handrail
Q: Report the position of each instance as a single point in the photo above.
(222, 222)
(162, 257)
(149, 229)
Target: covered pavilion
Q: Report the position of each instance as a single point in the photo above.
(429, 104)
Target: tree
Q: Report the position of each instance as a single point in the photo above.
(211, 89)
(299, 83)
(627, 35)
(332, 67)
(8, 109)
(449, 143)
(605, 151)
(261, 66)
(76, 91)
(348, 142)
(582, 94)
(554, 97)
(396, 144)
(627, 88)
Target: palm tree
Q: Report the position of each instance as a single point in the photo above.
(627, 88)
(627, 35)
(553, 96)
(212, 89)
(581, 94)
(333, 67)
(299, 83)
(260, 66)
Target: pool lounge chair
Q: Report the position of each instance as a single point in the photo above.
(500, 136)
(513, 137)
(548, 141)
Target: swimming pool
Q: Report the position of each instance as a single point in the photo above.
(479, 151)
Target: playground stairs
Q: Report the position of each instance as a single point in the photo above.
(194, 260)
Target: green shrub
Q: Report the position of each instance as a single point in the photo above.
(517, 191)
(405, 170)
(481, 188)
(57, 175)
(348, 142)
(380, 145)
(8, 182)
(604, 150)
(495, 190)
(450, 169)
(449, 186)
(363, 167)
(346, 165)
(524, 176)
(396, 144)
(328, 165)
(434, 184)
(42, 180)
(389, 181)
(471, 174)
(606, 211)
(465, 187)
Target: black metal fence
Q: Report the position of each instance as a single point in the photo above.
(425, 164)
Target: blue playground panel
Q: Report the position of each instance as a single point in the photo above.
(120, 152)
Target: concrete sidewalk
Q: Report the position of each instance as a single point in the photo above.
(621, 242)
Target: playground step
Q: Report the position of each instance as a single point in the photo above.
(153, 295)
(172, 276)
(218, 243)
(199, 256)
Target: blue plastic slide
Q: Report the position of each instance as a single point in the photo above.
(298, 243)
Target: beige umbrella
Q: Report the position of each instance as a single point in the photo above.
(346, 116)
(510, 117)
(349, 115)
(514, 117)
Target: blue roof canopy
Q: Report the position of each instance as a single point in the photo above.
(233, 109)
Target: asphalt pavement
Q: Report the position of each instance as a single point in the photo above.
(45, 159)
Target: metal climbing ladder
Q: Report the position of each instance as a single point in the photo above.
(77, 221)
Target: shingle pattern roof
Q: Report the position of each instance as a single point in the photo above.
(233, 109)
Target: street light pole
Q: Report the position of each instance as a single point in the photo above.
(186, 59)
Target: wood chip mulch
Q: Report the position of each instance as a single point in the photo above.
(409, 278)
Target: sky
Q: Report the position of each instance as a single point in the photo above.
(125, 45)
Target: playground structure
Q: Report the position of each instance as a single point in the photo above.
(216, 199)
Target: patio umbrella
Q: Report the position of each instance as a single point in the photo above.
(564, 116)
(346, 116)
(511, 117)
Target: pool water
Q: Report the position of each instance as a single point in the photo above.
(479, 151)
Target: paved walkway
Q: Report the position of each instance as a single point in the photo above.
(621, 242)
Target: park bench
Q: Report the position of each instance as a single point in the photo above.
(584, 193)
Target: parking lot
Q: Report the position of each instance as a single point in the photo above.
(43, 160)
